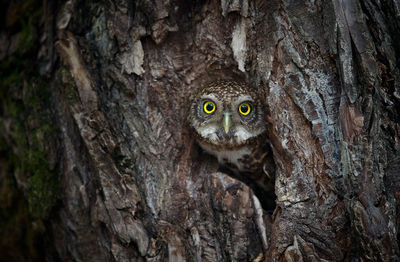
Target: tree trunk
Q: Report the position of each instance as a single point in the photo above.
(94, 134)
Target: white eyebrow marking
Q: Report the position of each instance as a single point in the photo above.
(209, 96)
(243, 98)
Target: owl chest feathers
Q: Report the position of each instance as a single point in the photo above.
(229, 157)
(246, 158)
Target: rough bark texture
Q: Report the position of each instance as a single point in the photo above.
(132, 184)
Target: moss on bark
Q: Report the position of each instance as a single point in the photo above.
(28, 174)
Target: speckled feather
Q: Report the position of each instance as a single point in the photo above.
(228, 90)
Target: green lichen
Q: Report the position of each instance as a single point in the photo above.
(21, 231)
(43, 192)
(31, 133)
(29, 183)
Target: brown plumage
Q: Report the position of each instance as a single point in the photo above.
(228, 122)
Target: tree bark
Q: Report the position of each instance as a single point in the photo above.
(131, 183)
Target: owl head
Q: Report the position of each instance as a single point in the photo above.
(226, 114)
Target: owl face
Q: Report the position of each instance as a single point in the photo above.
(227, 113)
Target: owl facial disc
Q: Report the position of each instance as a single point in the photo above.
(227, 114)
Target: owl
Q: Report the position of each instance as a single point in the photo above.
(228, 121)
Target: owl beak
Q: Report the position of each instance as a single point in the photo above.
(227, 122)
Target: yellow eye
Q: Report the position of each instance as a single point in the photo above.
(245, 109)
(209, 107)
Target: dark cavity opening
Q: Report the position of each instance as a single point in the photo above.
(267, 198)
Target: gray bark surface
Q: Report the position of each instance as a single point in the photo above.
(136, 187)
